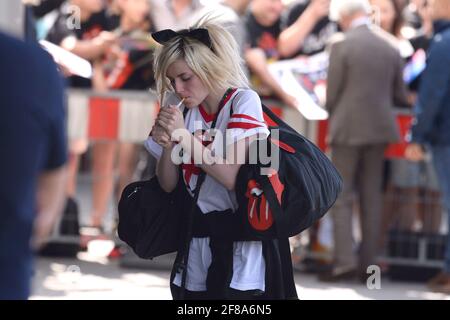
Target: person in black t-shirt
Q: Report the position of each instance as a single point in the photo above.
(307, 29)
(46, 6)
(82, 28)
(127, 65)
(263, 26)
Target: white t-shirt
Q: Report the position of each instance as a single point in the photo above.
(247, 120)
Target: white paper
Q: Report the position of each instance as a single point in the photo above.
(283, 72)
(73, 63)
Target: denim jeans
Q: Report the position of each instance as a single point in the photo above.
(441, 159)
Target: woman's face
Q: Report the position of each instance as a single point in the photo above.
(186, 83)
(385, 12)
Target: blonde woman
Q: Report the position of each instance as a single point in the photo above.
(202, 67)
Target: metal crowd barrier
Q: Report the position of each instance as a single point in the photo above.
(129, 115)
(121, 115)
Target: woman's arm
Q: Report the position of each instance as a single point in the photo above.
(291, 39)
(223, 170)
(167, 171)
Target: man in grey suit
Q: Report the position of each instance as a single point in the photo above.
(364, 82)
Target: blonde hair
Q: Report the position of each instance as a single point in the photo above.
(218, 67)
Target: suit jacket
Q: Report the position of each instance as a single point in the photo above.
(432, 108)
(365, 81)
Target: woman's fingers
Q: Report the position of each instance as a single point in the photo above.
(166, 116)
(160, 132)
(163, 140)
(160, 135)
(170, 112)
(170, 119)
(165, 124)
(167, 110)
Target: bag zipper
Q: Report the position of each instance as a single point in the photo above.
(134, 191)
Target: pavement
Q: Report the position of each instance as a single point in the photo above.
(91, 275)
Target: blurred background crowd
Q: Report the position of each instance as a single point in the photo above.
(373, 82)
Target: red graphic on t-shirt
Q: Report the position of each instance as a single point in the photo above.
(120, 73)
(190, 169)
(269, 44)
(92, 32)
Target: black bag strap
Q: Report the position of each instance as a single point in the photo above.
(182, 265)
(282, 236)
(232, 103)
(275, 206)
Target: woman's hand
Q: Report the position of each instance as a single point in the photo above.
(171, 119)
(161, 137)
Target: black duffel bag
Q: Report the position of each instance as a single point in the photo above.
(151, 221)
(296, 195)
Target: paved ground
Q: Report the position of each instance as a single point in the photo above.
(92, 276)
